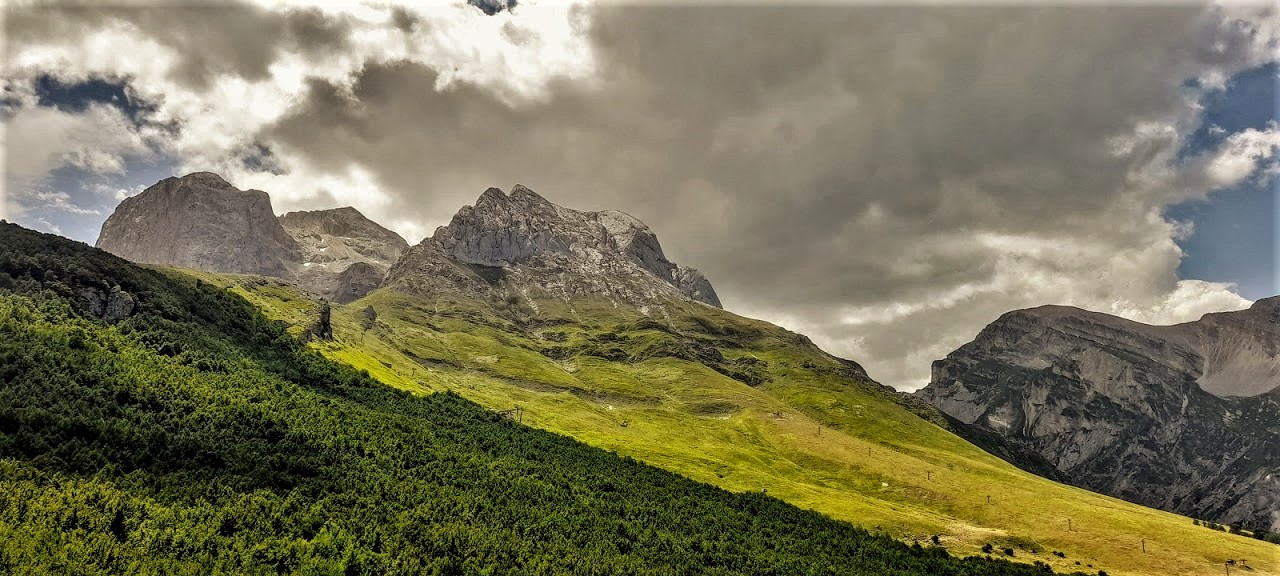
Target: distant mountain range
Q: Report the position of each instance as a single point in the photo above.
(1184, 418)
(201, 221)
(580, 318)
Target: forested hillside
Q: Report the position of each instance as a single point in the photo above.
(155, 424)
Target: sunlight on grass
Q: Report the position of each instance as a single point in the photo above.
(806, 432)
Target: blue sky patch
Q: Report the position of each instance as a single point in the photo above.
(1235, 228)
(76, 97)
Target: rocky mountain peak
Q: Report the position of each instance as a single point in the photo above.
(562, 251)
(524, 195)
(1176, 417)
(201, 221)
(345, 255)
(206, 180)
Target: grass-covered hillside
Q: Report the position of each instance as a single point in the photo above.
(749, 407)
(185, 433)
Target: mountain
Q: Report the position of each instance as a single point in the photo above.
(1241, 350)
(749, 407)
(193, 435)
(567, 321)
(344, 254)
(525, 243)
(1183, 418)
(201, 221)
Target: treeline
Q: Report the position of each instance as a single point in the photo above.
(1264, 535)
(197, 437)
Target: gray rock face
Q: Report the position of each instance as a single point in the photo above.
(120, 305)
(1125, 408)
(1241, 350)
(200, 221)
(113, 305)
(344, 255)
(524, 241)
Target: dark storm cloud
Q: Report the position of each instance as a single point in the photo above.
(212, 38)
(813, 160)
(801, 119)
(492, 7)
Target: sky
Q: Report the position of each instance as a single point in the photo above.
(885, 179)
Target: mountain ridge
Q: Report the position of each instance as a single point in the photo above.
(503, 243)
(563, 252)
(1122, 407)
(201, 221)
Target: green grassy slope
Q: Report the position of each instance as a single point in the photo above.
(198, 437)
(747, 406)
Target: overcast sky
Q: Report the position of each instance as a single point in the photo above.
(887, 180)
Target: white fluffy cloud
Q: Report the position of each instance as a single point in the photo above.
(515, 54)
(1244, 154)
(40, 139)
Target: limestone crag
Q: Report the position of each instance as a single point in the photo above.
(1184, 418)
(344, 254)
(521, 241)
(201, 221)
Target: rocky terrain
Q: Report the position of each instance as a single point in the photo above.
(522, 243)
(1184, 418)
(201, 221)
(344, 254)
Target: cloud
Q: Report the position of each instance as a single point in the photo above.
(885, 179)
(59, 201)
(215, 77)
(40, 139)
(1243, 154)
(48, 226)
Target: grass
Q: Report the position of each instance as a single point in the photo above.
(747, 406)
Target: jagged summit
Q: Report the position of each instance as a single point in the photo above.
(345, 255)
(559, 251)
(505, 241)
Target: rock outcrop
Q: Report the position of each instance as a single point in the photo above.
(201, 221)
(522, 242)
(111, 305)
(1185, 418)
(344, 254)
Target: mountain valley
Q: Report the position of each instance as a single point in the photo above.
(576, 323)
